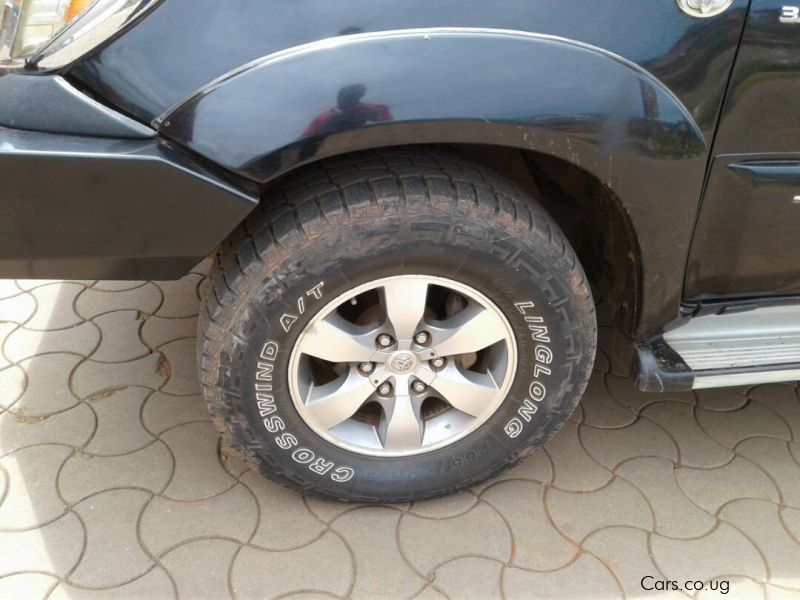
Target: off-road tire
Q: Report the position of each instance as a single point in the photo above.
(352, 219)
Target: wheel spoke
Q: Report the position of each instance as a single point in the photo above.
(401, 429)
(405, 306)
(336, 340)
(338, 400)
(469, 392)
(471, 330)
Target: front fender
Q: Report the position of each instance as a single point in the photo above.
(535, 92)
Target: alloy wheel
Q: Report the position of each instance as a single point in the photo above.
(402, 365)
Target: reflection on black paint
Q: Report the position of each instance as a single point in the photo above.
(349, 113)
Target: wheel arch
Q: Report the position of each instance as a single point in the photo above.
(539, 95)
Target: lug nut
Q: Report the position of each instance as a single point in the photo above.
(366, 368)
(385, 389)
(419, 387)
(384, 341)
(422, 338)
(438, 363)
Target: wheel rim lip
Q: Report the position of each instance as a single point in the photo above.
(469, 292)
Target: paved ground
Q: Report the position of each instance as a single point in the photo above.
(111, 483)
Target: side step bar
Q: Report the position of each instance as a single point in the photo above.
(732, 348)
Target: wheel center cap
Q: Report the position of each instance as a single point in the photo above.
(402, 362)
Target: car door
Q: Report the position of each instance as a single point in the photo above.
(747, 240)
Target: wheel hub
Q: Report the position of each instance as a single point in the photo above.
(402, 363)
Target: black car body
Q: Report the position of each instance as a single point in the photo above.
(662, 136)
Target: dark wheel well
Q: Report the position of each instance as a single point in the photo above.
(588, 212)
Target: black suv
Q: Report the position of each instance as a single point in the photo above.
(415, 206)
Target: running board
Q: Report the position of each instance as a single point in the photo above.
(724, 349)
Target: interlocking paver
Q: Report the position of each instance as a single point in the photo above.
(574, 469)
(84, 475)
(587, 577)
(784, 401)
(6, 329)
(760, 521)
(625, 552)
(13, 382)
(117, 286)
(601, 409)
(154, 584)
(521, 503)
(774, 592)
(327, 510)
(8, 288)
(112, 469)
(17, 309)
(740, 587)
(119, 428)
(283, 523)
(4, 483)
(47, 390)
(95, 377)
(428, 593)
(324, 565)
(732, 427)
(180, 297)
(675, 515)
(774, 457)
(53, 549)
(198, 472)
(370, 533)
(533, 466)
(448, 506)
(723, 399)
(157, 331)
(426, 543)
(711, 489)
(182, 360)
(93, 302)
(200, 568)
(723, 552)
(625, 392)
(120, 341)
(23, 343)
(204, 266)
(113, 555)
(73, 427)
(55, 306)
(167, 523)
(579, 514)
(32, 499)
(695, 446)
(26, 585)
(164, 411)
(602, 364)
(613, 447)
(31, 284)
(791, 520)
(794, 450)
(470, 578)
